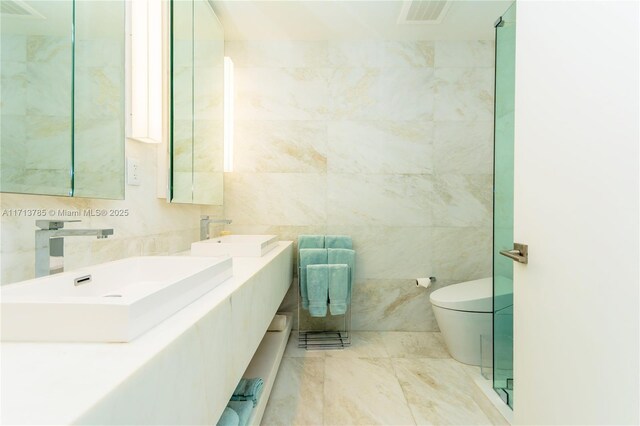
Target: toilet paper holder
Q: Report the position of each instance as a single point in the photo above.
(425, 282)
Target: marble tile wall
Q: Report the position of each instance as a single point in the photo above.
(390, 142)
(150, 227)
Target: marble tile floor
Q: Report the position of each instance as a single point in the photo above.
(384, 378)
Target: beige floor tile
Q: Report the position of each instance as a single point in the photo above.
(415, 345)
(364, 344)
(297, 396)
(479, 397)
(361, 386)
(439, 392)
(363, 391)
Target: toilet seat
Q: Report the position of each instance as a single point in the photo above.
(470, 296)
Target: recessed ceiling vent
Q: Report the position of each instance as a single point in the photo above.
(423, 11)
(18, 9)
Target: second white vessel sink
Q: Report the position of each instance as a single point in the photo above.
(235, 245)
(111, 302)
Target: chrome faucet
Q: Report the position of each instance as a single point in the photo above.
(50, 243)
(205, 221)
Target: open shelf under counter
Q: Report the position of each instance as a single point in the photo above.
(265, 364)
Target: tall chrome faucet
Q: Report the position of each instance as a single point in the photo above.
(205, 221)
(50, 243)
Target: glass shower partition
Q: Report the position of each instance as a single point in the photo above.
(503, 205)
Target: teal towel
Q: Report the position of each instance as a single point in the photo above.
(310, 241)
(229, 418)
(344, 256)
(248, 390)
(318, 289)
(243, 408)
(338, 241)
(338, 288)
(309, 257)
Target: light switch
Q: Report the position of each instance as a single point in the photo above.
(133, 171)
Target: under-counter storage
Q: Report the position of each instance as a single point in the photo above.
(264, 367)
(183, 371)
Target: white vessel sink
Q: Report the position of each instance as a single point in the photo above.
(235, 245)
(121, 300)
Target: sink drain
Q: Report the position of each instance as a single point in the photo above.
(112, 295)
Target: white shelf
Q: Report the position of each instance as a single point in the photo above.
(265, 364)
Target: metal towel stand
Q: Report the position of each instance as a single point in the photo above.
(324, 339)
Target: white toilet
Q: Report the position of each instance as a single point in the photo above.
(463, 312)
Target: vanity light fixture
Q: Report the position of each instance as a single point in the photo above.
(228, 114)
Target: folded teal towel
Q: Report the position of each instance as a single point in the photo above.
(344, 256)
(338, 241)
(338, 289)
(309, 257)
(229, 418)
(310, 241)
(248, 390)
(243, 408)
(318, 289)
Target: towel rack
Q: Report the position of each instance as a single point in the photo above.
(324, 339)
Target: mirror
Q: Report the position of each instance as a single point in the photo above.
(36, 75)
(197, 88)
(99, 104)
(62, 91)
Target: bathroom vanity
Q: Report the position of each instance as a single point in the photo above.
(182, 371)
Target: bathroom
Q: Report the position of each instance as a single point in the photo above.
(346, 119)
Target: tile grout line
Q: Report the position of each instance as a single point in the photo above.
(404, 394)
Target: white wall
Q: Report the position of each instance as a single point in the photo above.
(388, 141)
(576, 205)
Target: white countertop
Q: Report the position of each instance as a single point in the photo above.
(55, 383)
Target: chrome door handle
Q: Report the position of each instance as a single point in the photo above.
(520, 253)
